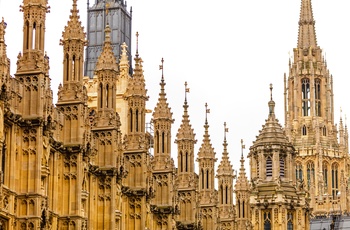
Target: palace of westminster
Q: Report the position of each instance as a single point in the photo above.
(89, 162)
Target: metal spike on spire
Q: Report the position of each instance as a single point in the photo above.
(137, 44)
(161, 68)
(206, 113)
(187, 90)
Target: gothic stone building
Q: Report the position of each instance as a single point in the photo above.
(85, 162)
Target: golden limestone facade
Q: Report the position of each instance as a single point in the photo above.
(88, 161)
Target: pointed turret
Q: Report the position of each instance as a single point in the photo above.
(162, 121)
(33, 56)
(186, 177)
(106, 72)
(185, 139)
(207, 193)
(4, 61)
(136, 145)
(307, 33)
(225, 175)
(163, 204)
(73, 42)
(242, 196)
(272, 167)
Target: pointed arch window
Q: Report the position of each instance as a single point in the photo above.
(282, 166)
(310, 173)
(243, 209)
(239, 209)
(131, 119)
(267, 220)
(157, 141)
(137, 120)
(107, 98)
(34, 36)
(222, 194)
(318, 97)
(101, 95)
(290, 221)
(268, 167)
(181, 162)
(324, 131)
(163, 140)
(325, 174)
(226, 194)
(335, 180)
(26, 36)
(304, 130)
(73, 68)
(299, 171)
(186, 163)
(207, 177)
(305, 91)
(67, 66)
(202, 172)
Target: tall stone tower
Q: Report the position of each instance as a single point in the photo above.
(72, 163)
(103, 12)
(186, 178)
(321, 160)
(207, 193)
(225, 175)
(136, 186)
(275, 200)
(163, 168)
(107, 163)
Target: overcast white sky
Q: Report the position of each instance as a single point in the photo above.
(228, 52)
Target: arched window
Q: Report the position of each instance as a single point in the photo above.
(325, 174)
(26, 38)
(207, 177)
(310, 173)
(73, 68)
(202, 178)
(107, 96)
(137, 120)
(268, 167)
(282, 166)
(101, 95)
(181, 162)
(304, 130)
(318, 97)
(324, 131)
(334, 180)
(305, 90)
(267, 220)
(157, 141)
(299, 171)
(243, 209)
(186, 162)
(67, 67)
(226, 194)
(163, 140)
(34, 36)
(290, 221)
(239, 208)
(131, 120)
(222, 194)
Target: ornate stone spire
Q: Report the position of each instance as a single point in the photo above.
(225, 168)
(206, 151)
(307, 34)
(124, 61)
(162, 109)
(2, 42)
(107, 60)
(3, 54)
(185, 131)
(137, 84)
(272, 131)
(242, 180)
(74, 30)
